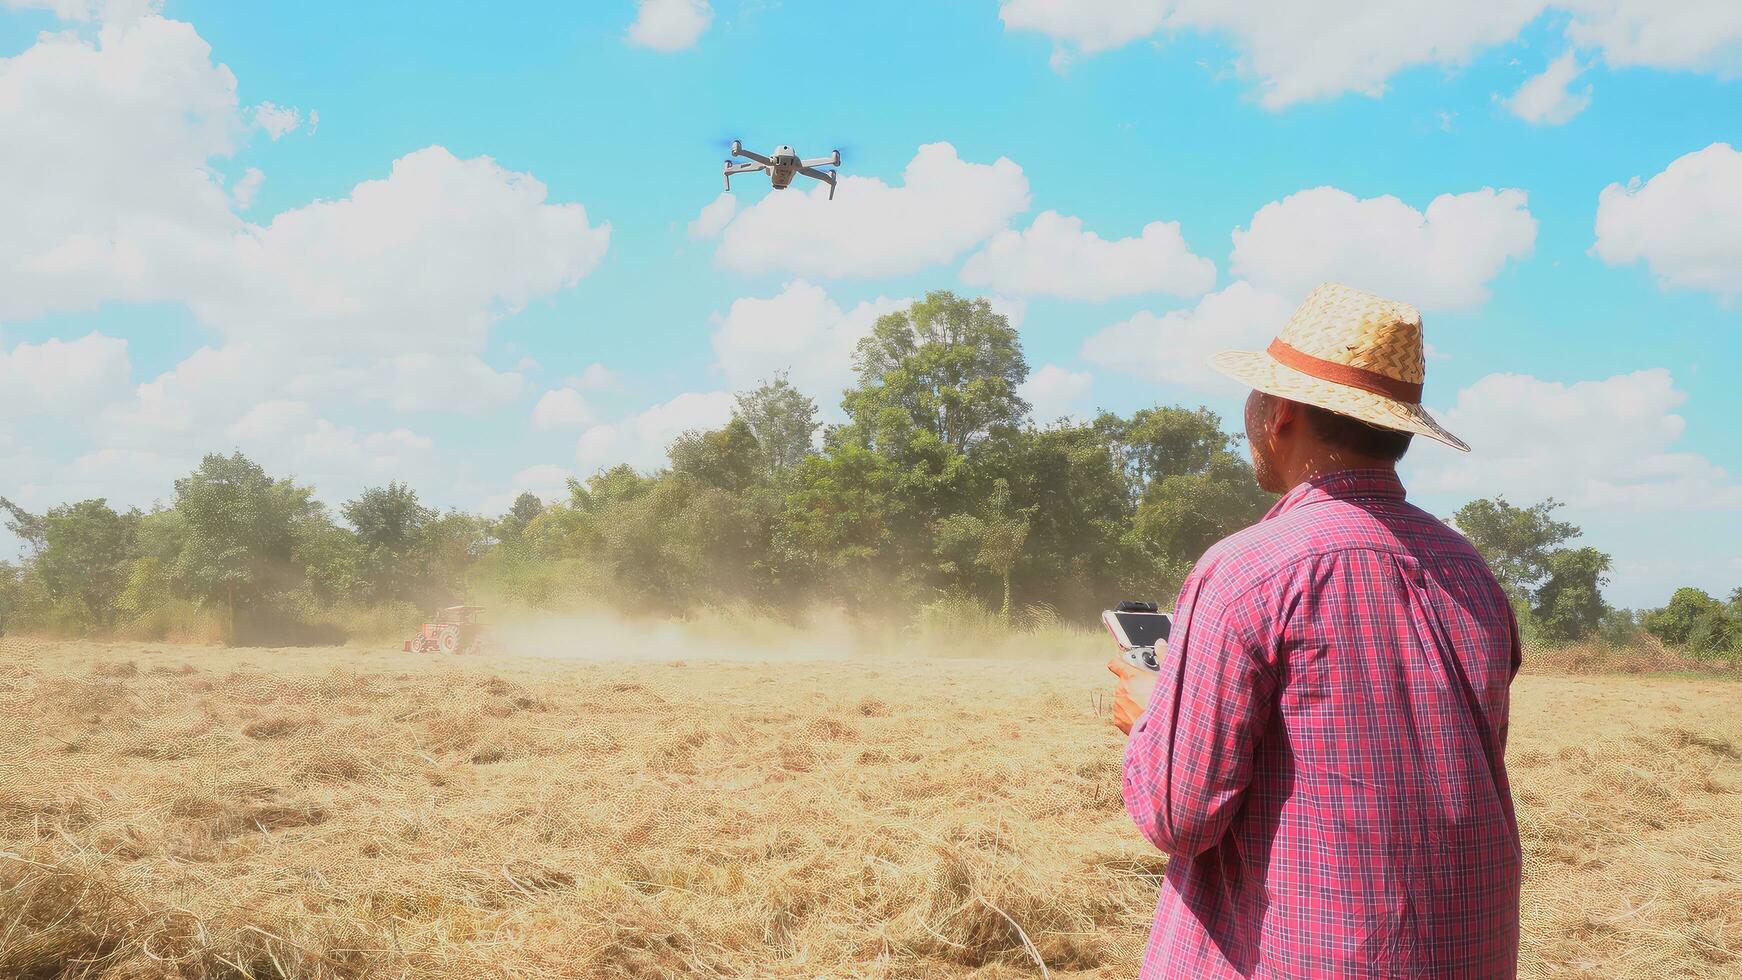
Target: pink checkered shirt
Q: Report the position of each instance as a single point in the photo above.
(1323, 757)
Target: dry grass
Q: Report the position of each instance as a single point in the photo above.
(193, 812)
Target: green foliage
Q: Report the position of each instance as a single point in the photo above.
(938, 493)
(393, 535)
(947, 367)
(1516, 541)
(728, 459)
(1702, 625)
(1569, 603)
(782, 420)
(83, 558)
(1674, 623)
(240, 530)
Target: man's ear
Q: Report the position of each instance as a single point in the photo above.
(1285, 416)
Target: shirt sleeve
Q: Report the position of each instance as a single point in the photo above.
(1189, 758)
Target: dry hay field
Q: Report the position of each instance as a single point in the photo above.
(359, 812)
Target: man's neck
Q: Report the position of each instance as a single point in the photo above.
(1333, 461)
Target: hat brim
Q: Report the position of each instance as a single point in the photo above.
(1261, 371)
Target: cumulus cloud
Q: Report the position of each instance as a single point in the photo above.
(277, 120)
(1547, 99)
(1608, 444)
(1301, 51)
(800, 331)
(1172, 348)
(386, 297)
(593, 376)
(669, 25)
(1295, 51)
(562, 408)
(61, 377)
(1692, 35)
(714, 217)
(944, 206)
(1055, 256)
(1054, 393)
(106, 180)
(641, 440)
(246, 188)
(1441, 258)
(1685, 223)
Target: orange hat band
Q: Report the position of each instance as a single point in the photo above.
(1344, 374)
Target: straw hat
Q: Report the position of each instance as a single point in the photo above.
(1349, 352)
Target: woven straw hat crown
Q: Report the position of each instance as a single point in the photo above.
(1347, 326)
(1349, 352)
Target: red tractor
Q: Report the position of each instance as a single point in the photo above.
(456, 630)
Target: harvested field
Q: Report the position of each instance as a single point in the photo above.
(327, 813)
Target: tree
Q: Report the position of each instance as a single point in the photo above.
(526, 507)
(239, 531)
(1569, 603)
(392, 531)
(1156, 443)
(1516, 541)
(1182, 514)
(727, 458)
(388, 518)
(1675, 623)
(783, 421)
(995, 536)
(84, 555)
(25, 525)
(946, 366)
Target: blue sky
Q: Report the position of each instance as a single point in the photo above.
(470, 249)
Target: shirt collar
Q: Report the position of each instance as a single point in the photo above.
(1357, 484)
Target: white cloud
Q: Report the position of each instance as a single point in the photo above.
(801, 331)
(1011, 308)
(1693, 35)
(426, 258)
(944, 206)
(1055, 256)
(60, 377)
(669, 25)
(562, 408)
(714, 217)
(1303, 51)
(1442, 258)
(246, 188)
(105, 181)
(277, 120)
(641, 440)
(112, 11)
(1606, 444)
(1296, 51)
(1547, 99)
(1686, 222)
(1172, 348)
(1054, 392)
(593, 377)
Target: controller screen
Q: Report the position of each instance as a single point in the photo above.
(1144, 629)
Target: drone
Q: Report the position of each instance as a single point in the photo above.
(782, 165)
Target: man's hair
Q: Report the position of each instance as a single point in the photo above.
(1356, 436)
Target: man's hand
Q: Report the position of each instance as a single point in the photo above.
(1130, 694)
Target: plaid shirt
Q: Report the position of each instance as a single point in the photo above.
(1323, 757)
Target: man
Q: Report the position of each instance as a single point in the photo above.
(1322, 755)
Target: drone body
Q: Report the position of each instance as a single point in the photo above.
(782, 166)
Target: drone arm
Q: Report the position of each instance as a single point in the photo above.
(826, 176)
(736, 168)
(752, 155)
(832, 160)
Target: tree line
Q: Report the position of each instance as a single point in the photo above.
(938, 487)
